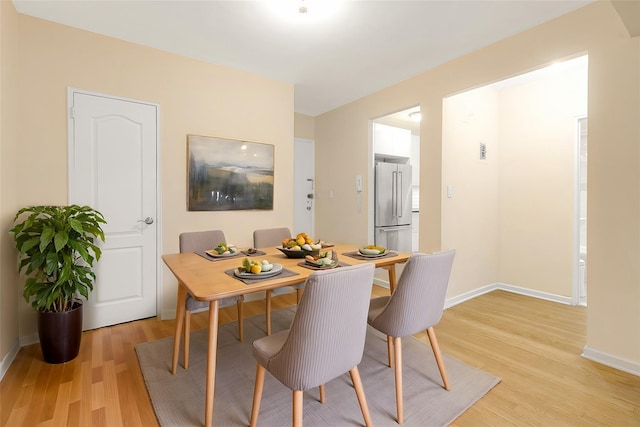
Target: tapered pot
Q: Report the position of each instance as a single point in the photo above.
(60, 334)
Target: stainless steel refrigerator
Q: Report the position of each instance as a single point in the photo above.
(393, 206)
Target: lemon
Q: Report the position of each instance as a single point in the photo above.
(256, 268)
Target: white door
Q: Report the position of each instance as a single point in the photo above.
(303, 187)
(113, 146)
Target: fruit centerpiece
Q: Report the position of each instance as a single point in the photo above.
(302, 242)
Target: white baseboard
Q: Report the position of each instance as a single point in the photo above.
(382, 283)
(8, 359)
(450, 302)
(533, 293)
(611, 360)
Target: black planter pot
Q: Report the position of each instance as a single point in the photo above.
(60, 334)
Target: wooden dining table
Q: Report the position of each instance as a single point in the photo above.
(208, 280)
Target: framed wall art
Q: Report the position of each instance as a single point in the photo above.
(226, 174)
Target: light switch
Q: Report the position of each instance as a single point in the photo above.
(449, 192)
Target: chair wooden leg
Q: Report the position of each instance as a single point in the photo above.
(187, 338)
(362, 400)
(298, 295)
(240, 305)
(297, 408)
(390, 350)
(268, 311)
(436, 352)
(397, 347)
(257, 394)
(321, 393)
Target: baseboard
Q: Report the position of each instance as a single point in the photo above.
(612, 361)
(450, 302)
(382, 283)
(8, 359)
(533, 293)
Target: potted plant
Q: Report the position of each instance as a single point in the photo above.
(57, 253)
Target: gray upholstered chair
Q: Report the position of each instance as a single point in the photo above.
(273, 237)
(416, 305)
(326, 338)
(199, 241)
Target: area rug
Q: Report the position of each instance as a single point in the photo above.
(178, 400)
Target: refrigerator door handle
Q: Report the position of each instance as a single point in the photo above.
(393, 229)
(399, 192)
(394, 194)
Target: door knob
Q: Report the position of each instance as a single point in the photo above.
(148, 220)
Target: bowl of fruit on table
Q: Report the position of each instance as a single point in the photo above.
(300, 246)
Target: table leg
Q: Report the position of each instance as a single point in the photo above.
(180, 311)
(211, 362)
(392, 277)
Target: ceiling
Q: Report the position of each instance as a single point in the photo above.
(337, 52)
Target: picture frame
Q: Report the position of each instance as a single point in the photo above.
(227, 174)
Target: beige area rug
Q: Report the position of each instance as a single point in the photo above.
(178, 400)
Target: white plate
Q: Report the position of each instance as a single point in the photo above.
(371, 255)
(215, 254)
(277, 269)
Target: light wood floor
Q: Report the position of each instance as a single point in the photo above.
(533, 345)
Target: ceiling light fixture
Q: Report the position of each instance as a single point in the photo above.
(416, 116)
(302, 8)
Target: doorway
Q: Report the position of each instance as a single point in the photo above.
(396, 139)
(509, 179)
(303, 186)
(113, 167)
(580, 233)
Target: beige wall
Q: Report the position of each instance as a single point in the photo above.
(538, 129)
(303, 126)
(342, 136)
(9, 292)
(470, 216)
(194, 97)
(513, 212)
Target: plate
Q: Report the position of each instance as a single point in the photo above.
(277, 269)
(372, 255)
(215, 254)
(323, 266)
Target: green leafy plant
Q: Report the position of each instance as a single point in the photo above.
(57, 252)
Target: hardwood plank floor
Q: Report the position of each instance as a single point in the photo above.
(533, 345)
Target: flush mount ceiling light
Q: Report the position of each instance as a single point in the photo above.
(307, 11)
(416, 116)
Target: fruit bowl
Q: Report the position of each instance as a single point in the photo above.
(301, 253)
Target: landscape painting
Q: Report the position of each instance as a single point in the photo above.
(226, 174)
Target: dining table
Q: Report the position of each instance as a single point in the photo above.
(212, 278)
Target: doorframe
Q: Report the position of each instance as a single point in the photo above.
(71, 91)
(575, 259)
(295, 202)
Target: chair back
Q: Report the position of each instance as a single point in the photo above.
(418, 300)
(270, 237)
(328, 331)
(198, 241)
